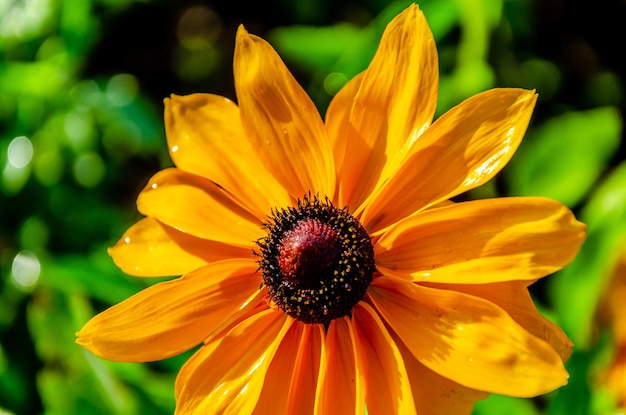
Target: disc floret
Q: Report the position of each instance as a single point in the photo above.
(316, 261)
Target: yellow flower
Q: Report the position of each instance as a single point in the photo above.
(324, 269)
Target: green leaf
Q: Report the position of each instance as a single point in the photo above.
(608, 205)
(575, 397)
(504, 405)
(562, 158)
(315, 48)
(98, 277)
(577, 289)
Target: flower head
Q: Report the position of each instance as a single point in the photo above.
(324, 269)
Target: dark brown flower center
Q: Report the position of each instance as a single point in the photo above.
(316, 261)
(308, 251)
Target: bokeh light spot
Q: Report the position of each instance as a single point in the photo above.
(49, 167)
(21, 19)
(333, 82)
(122, 89)
(78, 131)
(20, 152)
(198, 27)
(89, 169)
(34, 233)
(605, 88)
(26, 269)
(542, 75)
(85, 95)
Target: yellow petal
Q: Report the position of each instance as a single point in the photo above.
(467, 339)
(482, 241)
(291, 380)
(227, 374)
(340, 387)
(171, 317)
(199, 207)
(338, 124)
(151, 249)
(387, 387)
(395, 103)
(254, 304)
(463, 149)
(514, 298)
(435, 394)
(274, 397)
(306, 370)
(206, 138)
(285, 128)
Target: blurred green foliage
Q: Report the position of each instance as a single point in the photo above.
(81, 131)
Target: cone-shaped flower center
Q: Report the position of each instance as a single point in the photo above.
(308, 251)
(317, 261)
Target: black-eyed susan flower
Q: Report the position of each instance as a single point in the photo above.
(324, 269)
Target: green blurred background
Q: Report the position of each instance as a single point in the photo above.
(81, 131)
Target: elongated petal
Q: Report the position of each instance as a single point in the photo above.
(274, 397)
(282, 122)
(395, 104)
(254, 304)
(227, 375)
(291, 380)
(338, 124)
(387, 387)
(482, 241)
(434, 394)
(306, 370)
(151, 249)
(340, 387)
(171, 317)
(197, 206)
(206, 138)
(514, 298)
(463, 149)
(467, 339)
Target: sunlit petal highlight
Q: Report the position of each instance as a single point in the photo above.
(284, 126)
(227, 374)
(467, 339)
(171, 317)
(482, 241)
(463, 149)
